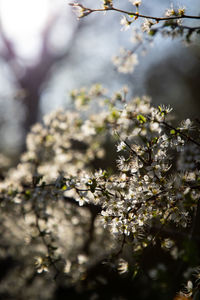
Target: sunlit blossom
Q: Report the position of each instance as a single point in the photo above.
(136, 2)
(121, 146)
(147, 24)
(122, 266)
(125, 23)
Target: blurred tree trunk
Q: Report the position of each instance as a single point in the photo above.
(30, 79)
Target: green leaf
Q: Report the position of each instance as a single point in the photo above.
(152, 32)
(172, 131)
(141, 119)
(64, 187)
(28, 194)
(154, 141)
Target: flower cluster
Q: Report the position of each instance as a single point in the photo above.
(143, 192)
(80, 10)
(169, 25)
(126, 61)
(152, 183)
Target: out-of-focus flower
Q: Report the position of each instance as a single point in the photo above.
(126, 61)
(41, 264)
(122, 266)
(147, 24)
(136, 2)
(125, 23)
(121, 146)
(186, 125)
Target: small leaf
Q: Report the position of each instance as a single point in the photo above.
(172, 131)
(152, 32)
(141, 119)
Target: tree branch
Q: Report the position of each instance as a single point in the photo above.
(86, 11)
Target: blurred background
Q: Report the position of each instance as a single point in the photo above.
(45, 53)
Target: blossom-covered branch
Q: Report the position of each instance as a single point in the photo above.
(170, 14)
(171, 24)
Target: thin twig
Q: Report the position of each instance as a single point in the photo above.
(181, 133)
(41, 234)
(136, 14)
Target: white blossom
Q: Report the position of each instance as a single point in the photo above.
(136, 2)
(186, 125)
(125, 23)
(122, 266)
(126, 62)
(147, 24)
(121, 146)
